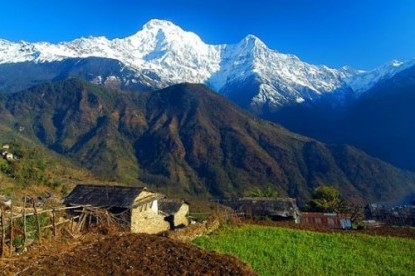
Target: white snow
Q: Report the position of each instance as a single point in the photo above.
(299, 100)
(363, 81)
(176, 56)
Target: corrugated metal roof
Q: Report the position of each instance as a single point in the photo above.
(330, 220)
(319, 214)
(104, 195)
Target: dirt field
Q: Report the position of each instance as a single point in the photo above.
(115, 253)
(125, 254)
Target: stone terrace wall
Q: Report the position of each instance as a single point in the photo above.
(196, 230)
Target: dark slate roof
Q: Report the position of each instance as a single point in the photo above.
(261, 206)
(170, 206)
(103, 195)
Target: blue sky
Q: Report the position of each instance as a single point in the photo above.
(363, 34)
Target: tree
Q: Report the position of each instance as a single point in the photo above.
(326, 199)
(268, 191)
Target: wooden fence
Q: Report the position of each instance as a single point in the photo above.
(8, 224)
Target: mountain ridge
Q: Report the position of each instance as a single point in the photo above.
(380, 121)
(162, 54)
(188, 140)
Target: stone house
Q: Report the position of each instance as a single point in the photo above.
(139, 206)
(175, 211)
(264, 207)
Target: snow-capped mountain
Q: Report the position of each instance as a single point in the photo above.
(160, 47)
(161, 54)
(363, 81)
(281, 78)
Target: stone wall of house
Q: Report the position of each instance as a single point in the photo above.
(144, 219)
(180, 218)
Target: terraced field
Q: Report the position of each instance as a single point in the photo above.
(283, 251)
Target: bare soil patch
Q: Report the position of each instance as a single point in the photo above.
(126, 254)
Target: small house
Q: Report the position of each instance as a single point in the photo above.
(139, 206)
(175, 211)
(326, 220)
(264, 207)
(391, 214)
(9, 156)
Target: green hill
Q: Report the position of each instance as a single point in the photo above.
(188, 140)
(35, 170)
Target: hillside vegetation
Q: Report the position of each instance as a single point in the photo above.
(281, 251)
(187, 140)
(35, 170)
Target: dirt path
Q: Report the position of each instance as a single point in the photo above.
(128, 254)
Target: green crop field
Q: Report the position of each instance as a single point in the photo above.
(281, 251)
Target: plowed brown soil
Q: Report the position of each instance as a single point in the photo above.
(129, 254)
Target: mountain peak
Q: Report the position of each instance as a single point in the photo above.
(159, 24)
(251, 37)
(163, 30)
(364, 81)
(252, 41)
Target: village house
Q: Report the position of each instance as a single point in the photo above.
(9, 156)
(326, 220)
(6, 153)
(137, 204)
(264, 207)
(175, 211)
(391, 214)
